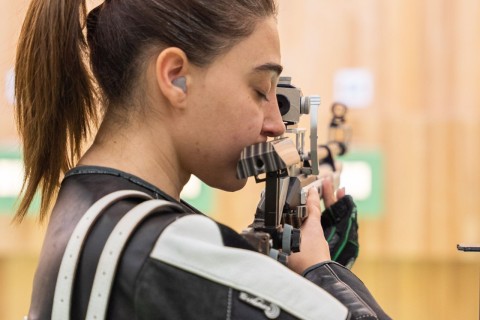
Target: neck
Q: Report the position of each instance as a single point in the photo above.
(138, 151)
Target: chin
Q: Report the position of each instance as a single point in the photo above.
(230, 185)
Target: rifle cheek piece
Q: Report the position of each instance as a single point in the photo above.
(266, 157)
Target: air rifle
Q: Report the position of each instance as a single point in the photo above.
(289, 171)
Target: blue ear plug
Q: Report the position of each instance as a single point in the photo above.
(180, 82)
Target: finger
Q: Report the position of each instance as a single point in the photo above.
(328, 193)
(338, 166)
(313, 204)
(325, 171)
(340, 193)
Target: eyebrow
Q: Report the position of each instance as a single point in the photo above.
(272, 67)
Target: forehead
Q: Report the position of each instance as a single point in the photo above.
(259, 52)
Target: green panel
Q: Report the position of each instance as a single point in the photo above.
(8, 205)
(372, 205)
(205, 201)
(202, 198)
(10, 182)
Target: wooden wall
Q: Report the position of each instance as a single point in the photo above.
(424, 119)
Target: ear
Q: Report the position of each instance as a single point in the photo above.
(172, 66)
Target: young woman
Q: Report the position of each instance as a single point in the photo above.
(185, 86)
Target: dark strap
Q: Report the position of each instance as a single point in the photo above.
(110, 254)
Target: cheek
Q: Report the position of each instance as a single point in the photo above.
(245, 134)
(242, 126)
(232, 125)
(250, 118)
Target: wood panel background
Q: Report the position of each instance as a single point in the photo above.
(425, 120)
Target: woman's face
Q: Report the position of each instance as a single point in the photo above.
(231, 104)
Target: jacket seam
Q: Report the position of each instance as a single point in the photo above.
(356, 295)
(158, 194)
(142, 269)
(135, 286)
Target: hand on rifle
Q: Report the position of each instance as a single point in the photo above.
(339, 220)
(314, 247)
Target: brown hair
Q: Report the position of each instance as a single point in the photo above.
(55, 94)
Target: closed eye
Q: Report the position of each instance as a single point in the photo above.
(262, 95)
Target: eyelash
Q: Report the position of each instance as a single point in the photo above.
(262, 95)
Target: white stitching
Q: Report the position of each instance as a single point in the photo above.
(229, 304)
(365, 316)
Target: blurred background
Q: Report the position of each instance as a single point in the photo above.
(410, 72)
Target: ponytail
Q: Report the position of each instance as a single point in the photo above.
(54, 90)
(55, 97)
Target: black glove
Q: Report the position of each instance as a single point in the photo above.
(340, 227)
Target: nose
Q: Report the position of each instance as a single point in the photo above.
(273, 125)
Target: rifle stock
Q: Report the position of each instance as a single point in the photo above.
(289, 172)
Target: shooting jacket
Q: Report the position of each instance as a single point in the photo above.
(184, 265)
